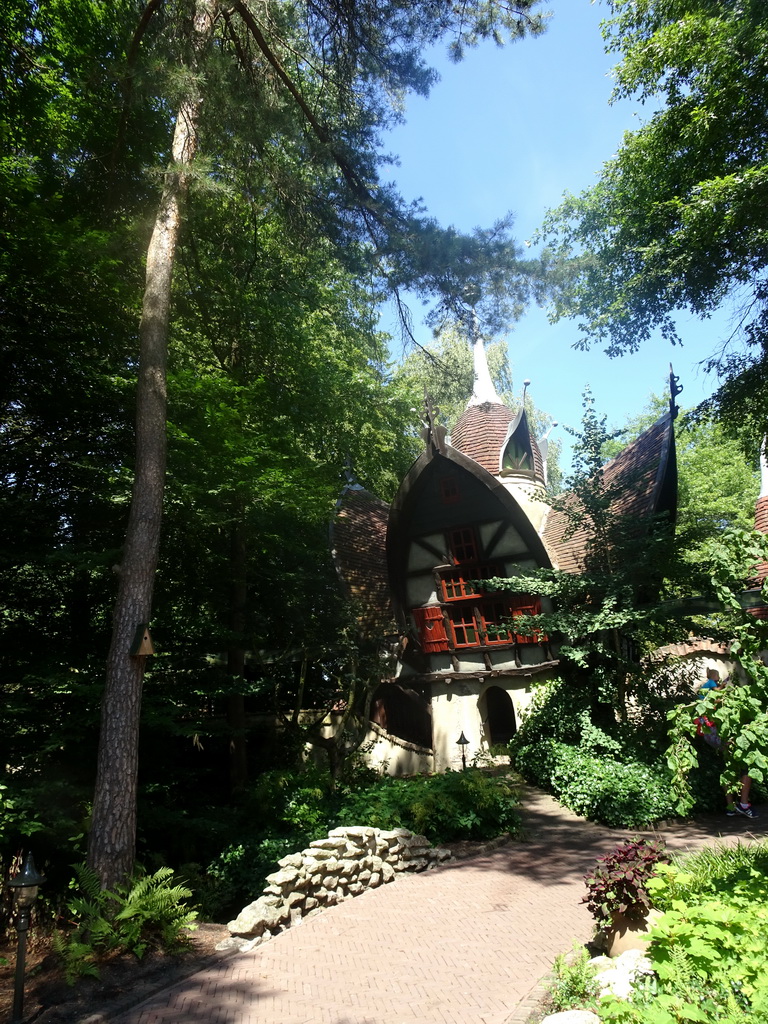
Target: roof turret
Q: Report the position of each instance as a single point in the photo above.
(491, 434)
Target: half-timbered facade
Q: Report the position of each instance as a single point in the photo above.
(472, 507)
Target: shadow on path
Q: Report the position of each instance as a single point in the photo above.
(465, 943)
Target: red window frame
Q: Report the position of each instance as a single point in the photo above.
(449, 490)
(463, 546)
(460, 584)
(524, 604)
(464, 630)
(492, 612)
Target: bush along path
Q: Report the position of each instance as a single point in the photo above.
(707, 959)
(468, 942)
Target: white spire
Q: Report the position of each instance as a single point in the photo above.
(483, 391)
(763, 470)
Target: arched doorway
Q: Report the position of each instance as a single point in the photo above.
(499, 718)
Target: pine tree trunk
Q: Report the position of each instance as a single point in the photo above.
(112, 841)
(238, 749)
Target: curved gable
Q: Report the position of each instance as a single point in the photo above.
(444, 492)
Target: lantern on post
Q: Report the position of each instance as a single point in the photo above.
(24, 888)
(463, 742)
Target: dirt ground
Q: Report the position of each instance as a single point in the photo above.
(123, 981)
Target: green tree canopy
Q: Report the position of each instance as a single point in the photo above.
(128, 127)
(718, 485)
(678, 217)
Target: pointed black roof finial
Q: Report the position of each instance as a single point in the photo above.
(352, 484)
(432, 432)
(674, 390)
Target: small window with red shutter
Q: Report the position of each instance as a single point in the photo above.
(431, 627)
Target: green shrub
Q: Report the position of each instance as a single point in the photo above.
(239, 873)
(619, 794)
(149, 912)
(299, 807)
(708, 951)
(709, 872)
(554, 713)
(572, 985)
(455, 805)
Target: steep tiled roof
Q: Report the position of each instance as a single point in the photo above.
(761, 523)
(637, 477)
(480, 433)
(358, 542)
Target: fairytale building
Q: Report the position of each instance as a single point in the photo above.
(472, 507)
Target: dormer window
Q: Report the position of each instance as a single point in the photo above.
(517, 454)
(516, 458)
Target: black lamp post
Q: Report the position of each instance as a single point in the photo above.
(463, 742)
(24, 887)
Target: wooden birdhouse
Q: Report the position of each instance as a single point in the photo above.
(142, 641)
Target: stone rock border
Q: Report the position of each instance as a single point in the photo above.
(617, 976)
(329, 871)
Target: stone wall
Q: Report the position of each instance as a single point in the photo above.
(346, 863)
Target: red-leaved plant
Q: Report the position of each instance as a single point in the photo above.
(617, 884)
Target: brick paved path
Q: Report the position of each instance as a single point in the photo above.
(466, 943)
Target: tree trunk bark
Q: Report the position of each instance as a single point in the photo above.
(112, 841)
(238, 749)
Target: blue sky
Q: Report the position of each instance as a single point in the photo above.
(514, 128)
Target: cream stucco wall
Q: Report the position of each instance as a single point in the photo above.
(529, 498)
(458, 707)
(390, 754)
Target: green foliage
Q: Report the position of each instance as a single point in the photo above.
(708, 872)
(737, 713)
(619, 882)
(682, 999)
(718, 488)
(619, 793)
(277, 371)
(708, 949)
(238, 873)
(292, 808)
(572, 985)
(677, 218)
(294, 801)
(149, 912)
(615, 776)
(454, 805)
(604, 617)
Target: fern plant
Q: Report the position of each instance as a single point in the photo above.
(153, 913)
(573, 983)
(148, 912)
